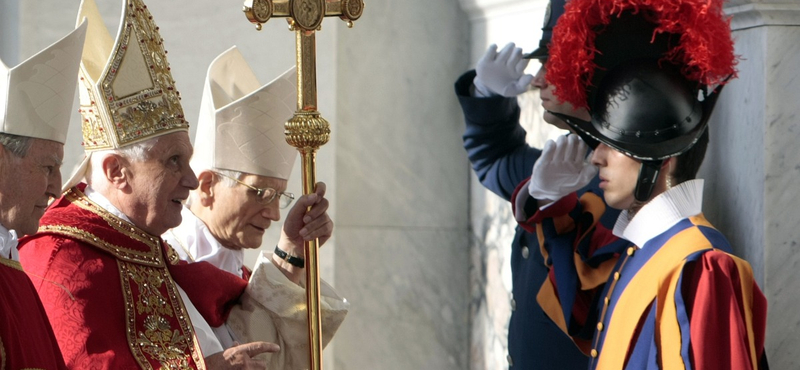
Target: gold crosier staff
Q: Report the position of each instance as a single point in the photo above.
(307, 130)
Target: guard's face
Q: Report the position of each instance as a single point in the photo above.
(159, 185)
(238, 218)
(618, 176)
(27, 184)
(551, 103)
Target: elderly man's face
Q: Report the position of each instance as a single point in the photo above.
(238, 218)
(27, 184)
(159, 185)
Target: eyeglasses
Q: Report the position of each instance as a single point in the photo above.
(266, 195)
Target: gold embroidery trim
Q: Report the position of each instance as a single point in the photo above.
(157, 339)
(78, 198)
(13, 264)
(122, 253)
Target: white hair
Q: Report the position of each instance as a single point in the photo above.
(138, 152)
(194, 194)
(15, 144)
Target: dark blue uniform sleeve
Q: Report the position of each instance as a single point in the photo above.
(494, 140)
(496, 147)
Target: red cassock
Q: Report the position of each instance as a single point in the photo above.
(26, 339)
(106, 287)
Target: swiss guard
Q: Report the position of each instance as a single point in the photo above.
(650, 73)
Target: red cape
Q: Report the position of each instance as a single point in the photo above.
(107, 290)
(26, 339)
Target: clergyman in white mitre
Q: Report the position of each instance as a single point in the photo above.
(243, 163)
(36, 104)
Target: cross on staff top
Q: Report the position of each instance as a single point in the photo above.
(307, 14)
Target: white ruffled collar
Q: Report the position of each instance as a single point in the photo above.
(661, 213)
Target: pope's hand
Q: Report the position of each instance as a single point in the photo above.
(240, 357)
(561, 169)
(303, 224)
(502, 73)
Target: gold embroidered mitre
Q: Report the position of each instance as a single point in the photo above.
(127, 93)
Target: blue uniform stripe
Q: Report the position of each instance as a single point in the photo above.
(631, 268)
(716, 238)
(683, 315)
(645, 351)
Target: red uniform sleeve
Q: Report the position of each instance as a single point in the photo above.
(727, 313)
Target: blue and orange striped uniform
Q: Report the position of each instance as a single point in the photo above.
(682, 301)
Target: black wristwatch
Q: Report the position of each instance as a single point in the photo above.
(294, 261)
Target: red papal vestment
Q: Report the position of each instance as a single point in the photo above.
(26, 340)
(107, 289)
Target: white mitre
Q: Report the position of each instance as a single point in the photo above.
(37, 95)
(241, 124)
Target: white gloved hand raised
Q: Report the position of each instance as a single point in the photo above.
(561, 169)
(502, 73)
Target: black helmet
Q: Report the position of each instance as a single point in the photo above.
(555, 8)
(641, 75)
(648, 112)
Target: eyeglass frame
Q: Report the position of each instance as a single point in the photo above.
(261, 191)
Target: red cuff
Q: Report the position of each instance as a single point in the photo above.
(561, 207)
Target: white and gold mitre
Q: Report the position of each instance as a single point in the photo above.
(127, 93)
(37, 95)
(241, 124)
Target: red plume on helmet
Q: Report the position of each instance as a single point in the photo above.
(700, 44)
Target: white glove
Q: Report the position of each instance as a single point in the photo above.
(562, 169)
(502, 73)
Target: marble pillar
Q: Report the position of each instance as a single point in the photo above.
(753, 164)
(402, 254)
(9, 24)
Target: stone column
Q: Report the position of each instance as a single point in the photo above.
(9, 46)
(753, 165)
(402, 197)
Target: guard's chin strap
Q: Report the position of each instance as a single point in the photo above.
(648, 173)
